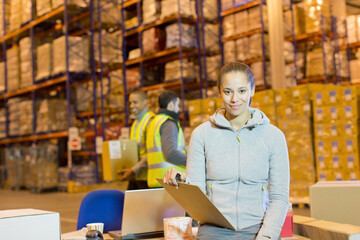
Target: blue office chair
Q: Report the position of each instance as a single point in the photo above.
(104, 206)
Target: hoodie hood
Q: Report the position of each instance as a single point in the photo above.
(257, 118)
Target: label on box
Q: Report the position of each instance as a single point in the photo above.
(191, 108)
(335, 146)
(348, 112)
(348, 94)
(338, 176)
(288, 111)
(306, 107)
(278, 98)
(98, 142)
(350, 161)
(115, 149)
(332, 96)
(296, 93)
(211, 103)
(349, 145)
(320, 130)
(321, 146)
(322, 177)
(333, 130)
(336, 161)
(353, 176)
(319, 114)
(318, 98)
(321, 162)
(333, 112)
(266, 99)
(348, 129)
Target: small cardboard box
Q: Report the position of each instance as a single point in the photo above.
(29, 224)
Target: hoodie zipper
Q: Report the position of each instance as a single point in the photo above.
(238, 180)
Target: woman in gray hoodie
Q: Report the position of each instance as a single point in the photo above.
(234, 158)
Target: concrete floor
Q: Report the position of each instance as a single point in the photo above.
(65, 203)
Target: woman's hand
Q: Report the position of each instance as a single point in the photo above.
(170, 177)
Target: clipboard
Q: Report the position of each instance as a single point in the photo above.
(197, 204)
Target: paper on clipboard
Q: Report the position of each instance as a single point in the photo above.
(197, 204)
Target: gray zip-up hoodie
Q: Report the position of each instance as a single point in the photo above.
(233, 169)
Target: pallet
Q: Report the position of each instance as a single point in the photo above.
(43, 190)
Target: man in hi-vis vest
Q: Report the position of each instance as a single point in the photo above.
(165, 139)
(139, 110)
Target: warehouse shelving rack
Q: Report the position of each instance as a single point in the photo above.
(261, 30)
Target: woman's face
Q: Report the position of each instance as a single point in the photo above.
(235, 91)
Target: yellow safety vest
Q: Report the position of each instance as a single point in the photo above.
(157, 163)
(138, 133)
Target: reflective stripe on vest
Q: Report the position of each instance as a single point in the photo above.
(157, 163)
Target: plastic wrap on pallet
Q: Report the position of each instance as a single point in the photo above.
(212, 37)
(43, 7)
(213, 65)
(299, 18)
(353, 28)
(289, 52)
(188, 36)
(83, 97)
(26, 63)
(110, 14)
(78, 55)
(226, 4)
(338, 9)
(288, 23)
(26, 12)
(170, 7)
(173, 71)
(242, 49)
(343, 64)
(84, 175)
(51, 115)
(26, 117)
(2, 123)
(256, 47)
(210, 9)
(15, 15)
(242, 20)
(135, 53)
(44, 61)
(132, 78)
(2, 77)
(315, 61)
(255, 16)
(13, 68)
(15, 167)
(258, 70)
(229, 25)
(153, 40)
(229, 51)
(151, 10)
(7, 16)
(111, 47)
(355, 71)
(318, 16)
(290, 75)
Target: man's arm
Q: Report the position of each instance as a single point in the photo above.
(141, 165)
(169, 142)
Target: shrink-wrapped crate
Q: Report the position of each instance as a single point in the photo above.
(13, 68)
(226, 4)
(173, 71)
(338, 9)
(2, 123)
(255, 17)
(132, 78)
(242, 49)
(242, 22)
(290, 75)
(229, 51)
(6, 4)
(210, 9)
(299, 18)
(153, 75)
(26, 117)
(355, 71)
(43, 7)
(213, 65)
(111, 47)
(153, 40)
(258, 70)
(229, 25)
(15, 167)
(14, 116)
(110, 14)
(289, 50)
(135, 53)
(116, 97)
(44, 61)
(26, 6)
(15, 15)
(315, 62)
(183, 7)
(83, 97)
(343, 64)
(78, 55)
(212, 40)
(256, 45)
(2, 77)
(288, 30)
(51, 115)
(353, 28)
(318, 16)
(151, 10)
(188, 36)
(26, 63)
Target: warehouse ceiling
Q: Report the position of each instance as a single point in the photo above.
(352, 7)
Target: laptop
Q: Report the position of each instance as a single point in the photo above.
(144, 211)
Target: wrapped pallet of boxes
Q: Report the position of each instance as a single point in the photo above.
(153, 75)
(52, 115)
(2, 77)
(229, 51)
(338, 9)
(153, 99)
(212, 38)
(242, 49)
(151, 11)
(26, 12)
(288, 24)
(13, 68)
(173, 70)
(226, 4)
(78, 3)
(44, 61)
(111, 47)
(320, 16)
(15, 166)
(184, 7)
(115, 99)
(243, 18)
(228, 25)
(256, 14)
(6, 4)
(26, 63)
(133, 78)
(210, 9)
(2, 123)
(78, 55)
(43, 7)
(188, 36)
(83, 97)
(15, 15)
(26, 117)
(265, 101)
(315, 63)
(353, 28)
(14, 116)
(153, 40)
(109, 10)
(355, 71)
(255, 46)
(258, 70)
(213, 65)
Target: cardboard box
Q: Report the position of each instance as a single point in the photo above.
(336, 201)
(29, 224)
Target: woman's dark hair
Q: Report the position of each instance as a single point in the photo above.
(166, 97)
(236, 67)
